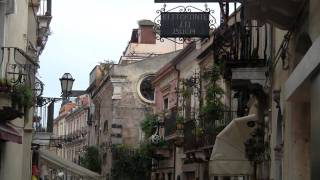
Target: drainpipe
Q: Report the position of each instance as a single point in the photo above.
(2, 21)
(174, 146)
(174, 161)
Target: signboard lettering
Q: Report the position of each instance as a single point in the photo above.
(191, 1)
(184, 24)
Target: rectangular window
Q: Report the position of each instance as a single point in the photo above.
(165, 103)
(105, 126)
(169, 176)
(188, 104)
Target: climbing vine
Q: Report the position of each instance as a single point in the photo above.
(131, 163)
(149, 124)
(213, 108)
(91, 159)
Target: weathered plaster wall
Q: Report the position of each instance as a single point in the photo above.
(166, 88)
(129, 108)
(17, 26)
(314, 16)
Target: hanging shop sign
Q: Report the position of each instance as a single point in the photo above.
(185, 1)
(184, 24)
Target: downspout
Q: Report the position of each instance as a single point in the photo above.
(177, 100)
(2, 21)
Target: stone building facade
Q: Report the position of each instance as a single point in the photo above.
(24, 31)
(122, 99)
(60, 129)
(277, 82)
(122, 93)
(193, 155)
(77, 130)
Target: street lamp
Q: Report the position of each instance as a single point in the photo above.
(66, 84)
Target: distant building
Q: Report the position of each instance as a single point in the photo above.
(77, 130)
(60, 129)
(122, 93)
(144, 43)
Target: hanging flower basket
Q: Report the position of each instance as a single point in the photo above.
(179, 126)
(5, 86)
(21, 97)
(9, 113)
(179, 123)
(14, 101)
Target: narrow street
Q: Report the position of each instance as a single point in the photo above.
(159, 90)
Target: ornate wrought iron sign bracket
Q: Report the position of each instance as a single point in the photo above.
(192, 1)
(184, 24)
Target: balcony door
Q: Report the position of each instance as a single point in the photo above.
(190, 176)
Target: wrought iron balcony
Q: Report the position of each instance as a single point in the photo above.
(190, 139)
(44, 19)
(173, 132)
(161, 153)
(18, 68)
(205, 140)
(18, 83)
(241, 46)
(44, 7)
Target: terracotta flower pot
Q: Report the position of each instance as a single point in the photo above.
(179, 126)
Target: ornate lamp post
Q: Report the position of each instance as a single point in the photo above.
(66, 85)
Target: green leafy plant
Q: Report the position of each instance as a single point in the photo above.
(5, 85)
(179, 119)
(179, 122)
(186, 92)
(213, 108)
(106, 66)
(131, 163)
(91, 159)
(198, 131)
(22, 97)
(149, 124)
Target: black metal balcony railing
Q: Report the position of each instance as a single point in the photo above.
(190, 139)
(210, 130)
(43, 19)
(241, 45)
(170, 124)
(17, 68)
(44, 8)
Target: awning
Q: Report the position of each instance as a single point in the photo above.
(67, 165)
(8, 133)
(228, 154)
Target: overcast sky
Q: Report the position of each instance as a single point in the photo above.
(86, 32)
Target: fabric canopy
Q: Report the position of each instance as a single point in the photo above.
(8, 133)
(228, 154)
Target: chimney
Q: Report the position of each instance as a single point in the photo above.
(146, 33)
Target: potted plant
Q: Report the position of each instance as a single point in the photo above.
(186, 92)
(5, 86)
(198, 131)
(5, 89)
(21, 97)
(179, 122)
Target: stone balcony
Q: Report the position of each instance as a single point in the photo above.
(161, 153)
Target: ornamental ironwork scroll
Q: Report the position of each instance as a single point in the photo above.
(17, 68)
(184, 24)
(184, 1)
